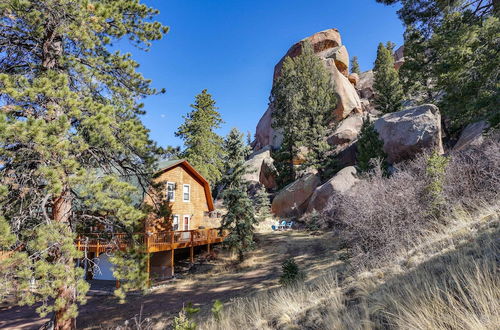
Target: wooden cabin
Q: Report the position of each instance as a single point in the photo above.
(190, 222)
(187, 195)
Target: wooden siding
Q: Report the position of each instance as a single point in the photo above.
(197, 207)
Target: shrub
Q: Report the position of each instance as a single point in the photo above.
(184, 320)
(291, 273)
(217, 309)
(382, 217)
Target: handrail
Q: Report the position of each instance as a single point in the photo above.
(163, 240)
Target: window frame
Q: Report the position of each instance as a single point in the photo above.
(169, 183)
(184, 194)
(174, 216)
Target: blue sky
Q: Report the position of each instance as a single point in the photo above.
(231, 47)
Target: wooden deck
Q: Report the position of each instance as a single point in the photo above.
(153, 242)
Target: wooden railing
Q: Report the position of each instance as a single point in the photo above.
(153, 242)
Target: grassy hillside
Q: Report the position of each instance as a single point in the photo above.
(450, 281)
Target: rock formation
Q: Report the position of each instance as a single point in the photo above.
(261, 169)
(472, 135)
(328, 46)
(340, 183)
(408, 132)
(292, 200)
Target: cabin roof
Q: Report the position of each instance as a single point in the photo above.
(166, 165)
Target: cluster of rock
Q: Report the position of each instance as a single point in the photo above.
(328, 47)
(404, 133)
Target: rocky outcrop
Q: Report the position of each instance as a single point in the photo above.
(347, 130)
(340, 183)
(260, 169)
(322, 42)
(265, 134)
(399, 58)
(348, 99)
(365, 85)
(328, 46)
(409, 132)
(472, 135)
(353, 79)
(292, 201)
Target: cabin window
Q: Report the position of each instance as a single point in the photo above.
(170, 191)
(175, 222)
(186, 193)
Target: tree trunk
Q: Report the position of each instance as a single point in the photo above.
(61, 322)
(52, 50)
(61, 211)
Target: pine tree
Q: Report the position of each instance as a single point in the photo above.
(388, 90)
(203, 147)
(70, 131)
(303, 99)
(370, 147)
(451, 57)
(355, 65)
(240, 216)
(262, 204)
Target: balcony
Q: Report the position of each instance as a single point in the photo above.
(153, 242)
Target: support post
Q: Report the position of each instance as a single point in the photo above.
(172, 261)
(148, 269)
(191, 249)
(208, 248)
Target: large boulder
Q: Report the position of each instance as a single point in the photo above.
(347, 130)
(348, 99)
(265, 134)
(260, 169)
(340, 183)
(365, 85)
(472, 135)
(292, 201)
(409, 132)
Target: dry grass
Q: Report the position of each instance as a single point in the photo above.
(450, 281)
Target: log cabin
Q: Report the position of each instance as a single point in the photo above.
(190, 222)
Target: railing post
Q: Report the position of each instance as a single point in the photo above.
(191, 250)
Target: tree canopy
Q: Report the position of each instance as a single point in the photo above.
(70, 136)
(203, 146)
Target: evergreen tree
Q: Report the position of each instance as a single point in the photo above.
(370, 147)
(303, 99)
(355, 65)
(203, 146)
(262, 204)
(451, 57)
(240, 216)
(388, 90)
(70, 131)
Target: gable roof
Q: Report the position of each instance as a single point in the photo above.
(166, 165)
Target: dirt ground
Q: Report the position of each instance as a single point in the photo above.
(207, 282)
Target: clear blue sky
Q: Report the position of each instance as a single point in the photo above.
(231, 47)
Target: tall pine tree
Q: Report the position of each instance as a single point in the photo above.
(262, 204)
(370, 147)
(355, 65)
(451, 57)
(203, 146)
(240, 217)
(70, 130)
(388, 90)
(303, 100)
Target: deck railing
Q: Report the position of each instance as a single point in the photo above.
(153, 242)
